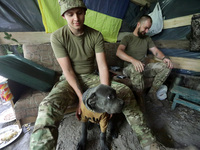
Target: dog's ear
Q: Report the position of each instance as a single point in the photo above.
(89, 98)
(91, 101)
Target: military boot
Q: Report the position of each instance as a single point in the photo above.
(153, 98)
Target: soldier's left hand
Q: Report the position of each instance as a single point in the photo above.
(168, 62)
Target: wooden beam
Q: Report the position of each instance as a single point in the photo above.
(26, 37)
(141, 2)
(185, 63)
(175, 44)
(178, 22)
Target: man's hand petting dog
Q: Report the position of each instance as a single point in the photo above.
(99, 103)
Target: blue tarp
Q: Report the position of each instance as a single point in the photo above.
(180, 53)
(114, 8)
(178, 33)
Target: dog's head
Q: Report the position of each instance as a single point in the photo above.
(102, 98)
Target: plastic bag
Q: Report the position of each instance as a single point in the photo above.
(157, 19)
(162, 92)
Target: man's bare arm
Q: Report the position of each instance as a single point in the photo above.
(72, 80)
(139, 66)
(103, 68)
(156, 52)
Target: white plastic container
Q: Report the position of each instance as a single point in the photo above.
(162, 92)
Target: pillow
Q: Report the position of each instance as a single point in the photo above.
(27, 72)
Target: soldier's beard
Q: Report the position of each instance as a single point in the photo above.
(140, 34)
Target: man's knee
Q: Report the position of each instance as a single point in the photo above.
(122, 90)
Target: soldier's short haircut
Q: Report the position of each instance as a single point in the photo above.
(144, 18)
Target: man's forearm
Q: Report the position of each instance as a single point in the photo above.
(123, 56)
(74, 83)
(158, 54)
(104, 77)
(103, 68)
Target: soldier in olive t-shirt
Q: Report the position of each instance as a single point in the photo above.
(80, 49)
(133, 50)
(77, 47)
(136, 47)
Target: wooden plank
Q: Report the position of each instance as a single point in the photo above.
(187, 104)
(141, 2)
(190, 94)
(177, 22)
(175, 44)
(26, 38)
(185, 63)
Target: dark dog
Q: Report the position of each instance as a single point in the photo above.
(98, 103)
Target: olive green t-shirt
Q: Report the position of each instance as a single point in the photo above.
(136, 47)
(80, 49)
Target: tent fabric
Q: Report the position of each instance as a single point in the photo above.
(180, 53)
(131, 13)
(176, 8)
(187, 72)
(179, 33)
(172, 9)
(143, 11)
(19, 16)
(109, 26)
(114, 8)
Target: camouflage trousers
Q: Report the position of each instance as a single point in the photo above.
(159, 71)
(52, 108)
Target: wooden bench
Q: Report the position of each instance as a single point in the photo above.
(186, 97)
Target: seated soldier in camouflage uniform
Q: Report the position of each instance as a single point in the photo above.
(76, 46)
(133, 50)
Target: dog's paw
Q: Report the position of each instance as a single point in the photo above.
(103, 143)
(114, 134)
(81, 146)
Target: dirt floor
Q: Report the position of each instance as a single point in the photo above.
(175, 129)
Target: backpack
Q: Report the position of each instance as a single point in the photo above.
(195, 33)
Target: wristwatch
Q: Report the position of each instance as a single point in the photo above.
(165, 57)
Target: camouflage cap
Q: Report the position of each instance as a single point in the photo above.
(66, 5)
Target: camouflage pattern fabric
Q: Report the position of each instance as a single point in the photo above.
(66, 5)
(52, 108)
(195, 33)
(158, 70)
